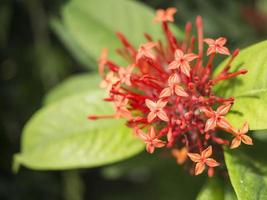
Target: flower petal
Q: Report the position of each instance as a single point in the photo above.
(211, 50)
(144, 51)
(160, 12)
(150, 148)
(244, 128)
(150, 45)
(178, 54)
(185, 68)
(152, 133)
(174, 79)
(124, 112)
(211, 162)
(148, 54)
(224, 124)
(174, 65)
(235, 143)
(207, 152)
(169, 14)
(209, 41)
(246, 140)
(199, 168)
(224, 109)
(191, 56)
(161, 104)
(210, 124)
(162, 115)
(180, 155)
(166, 92)
(179, 91)
(151, 104)
(194, 157)
(207, 111)
(221, 41)
(158, 143)
(103, 84)
(142, 135)
(223, 50)
(152, 115)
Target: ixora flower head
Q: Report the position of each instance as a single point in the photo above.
(166, 94)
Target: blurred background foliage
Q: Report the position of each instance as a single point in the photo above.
(33, 60)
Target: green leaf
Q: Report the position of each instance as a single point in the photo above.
(250, 90)
(212, 190)
(93, 24)
(74, 85)
(59, 136)
(247, 169)
(216, 189)
(78, 53)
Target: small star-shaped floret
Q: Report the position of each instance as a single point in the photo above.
(181, 61)
(125, 74)
(109, 81)
(217, 46)
(121, 107)
(202, 160)
(156, 110)
(150, 139)
(144, 51)
(216, 118)
(240, 136)
(165, 15)
(173, 88)
(180, 155)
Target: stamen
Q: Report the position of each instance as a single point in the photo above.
(95, 117)
(188, 28)
(199, 25)
(230, 75)
(169, 36)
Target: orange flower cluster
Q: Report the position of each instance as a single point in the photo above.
(166, 95)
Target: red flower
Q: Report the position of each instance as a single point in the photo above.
(216, 118)
(181, 61)
(144, 51)
(240, 136)
(165, 15)
(217, 46)
(125, 74)
(109, 81)
(151, 140)
(202, 160)
(180, 155)
(156, 110)
(168, 87)
(121, 107)
(173, 88)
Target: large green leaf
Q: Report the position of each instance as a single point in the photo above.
(78, 53)
(74, 85)
(93, 24)
(59, 136)
(250, 90)
(247, 169)
(216, 189)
